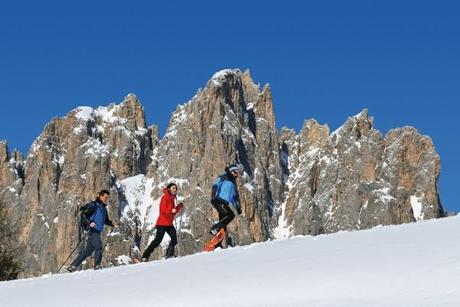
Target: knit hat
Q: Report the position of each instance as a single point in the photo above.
(234, 168)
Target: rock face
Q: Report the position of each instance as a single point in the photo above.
(312, 182)
(73, 158)
(230, 120)
(11, 179)
(355, 178)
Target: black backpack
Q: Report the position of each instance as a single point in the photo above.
(86, 212)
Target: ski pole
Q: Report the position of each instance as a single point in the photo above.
(73, 251)
(179, 230)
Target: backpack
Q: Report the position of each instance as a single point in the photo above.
(86, 212)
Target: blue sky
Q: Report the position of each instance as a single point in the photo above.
(325, 60)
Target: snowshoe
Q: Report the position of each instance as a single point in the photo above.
(215, 241)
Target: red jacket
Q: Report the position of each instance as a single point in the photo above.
(167, 204)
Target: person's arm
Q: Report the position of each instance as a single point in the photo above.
(236, 199)
(108, 222)
(163, 207)
(179, 207)
(238, 207)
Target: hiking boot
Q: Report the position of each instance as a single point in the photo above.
(70, 268)
(169, 253)
(170, 256)
(214, 231)
(98, 267)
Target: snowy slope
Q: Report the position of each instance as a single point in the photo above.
(409, 265)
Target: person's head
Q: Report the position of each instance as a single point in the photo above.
(172, 188)
(233, 170)
(104, 196)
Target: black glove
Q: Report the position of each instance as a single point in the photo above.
(238, 210)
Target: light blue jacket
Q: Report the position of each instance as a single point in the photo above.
(227, 192)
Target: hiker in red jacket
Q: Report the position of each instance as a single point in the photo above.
(168, 211)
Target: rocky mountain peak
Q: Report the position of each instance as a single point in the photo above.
(129, 112)
(313, 135)
(225, 78)
(132, 110)
(245, 98)
(355, 127)
(17, 156)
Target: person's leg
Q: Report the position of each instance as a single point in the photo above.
(158, 238)
(85, 253)
(173, 235)
(226, 215)
(97, 244)
(222, 214)
(223, 243)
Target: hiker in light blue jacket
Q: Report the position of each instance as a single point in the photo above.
(225, 199)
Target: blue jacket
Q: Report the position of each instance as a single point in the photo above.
(95, 212)
(226, 192)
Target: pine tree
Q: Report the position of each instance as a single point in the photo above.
(9, 266)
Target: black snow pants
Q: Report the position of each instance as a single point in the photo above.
(161, 230)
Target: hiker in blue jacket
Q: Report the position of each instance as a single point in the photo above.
(93, 218)
(225, 198)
